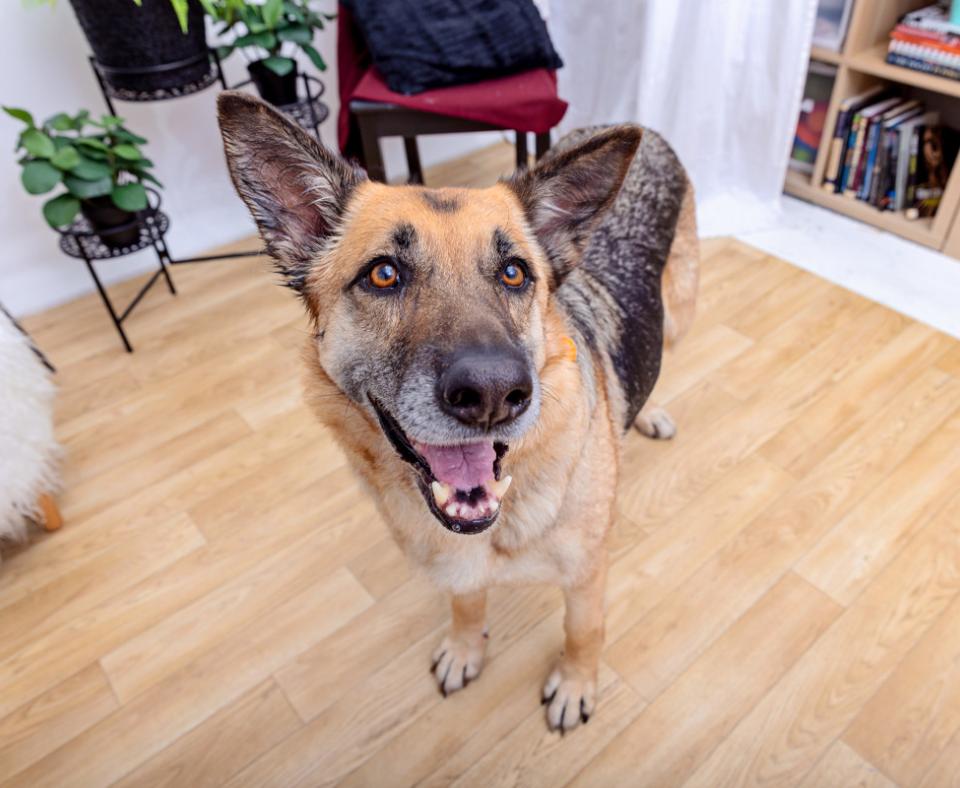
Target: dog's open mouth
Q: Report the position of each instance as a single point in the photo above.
(461, 484)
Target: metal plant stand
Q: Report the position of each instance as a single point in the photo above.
(214, 74)
(82, 241)
(309, 111)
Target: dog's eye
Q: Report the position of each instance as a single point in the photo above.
(384, 275)
(513, 275)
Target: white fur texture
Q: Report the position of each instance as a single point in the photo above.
(28, 449)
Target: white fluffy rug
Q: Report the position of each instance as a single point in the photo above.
(28, 449)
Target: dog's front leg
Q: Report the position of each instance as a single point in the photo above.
(570, 693)
(459, 658)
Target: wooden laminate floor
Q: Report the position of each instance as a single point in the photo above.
(223, 605)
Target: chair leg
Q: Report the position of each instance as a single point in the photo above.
(52, 519)
(543, 144)
(413, 160)
(523, 159)
(372, 159)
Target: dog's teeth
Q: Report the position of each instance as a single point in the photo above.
(494, 505)
(441, 492)
(499, 488)
(451, 509)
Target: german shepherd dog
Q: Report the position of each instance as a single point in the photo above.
(479, 354)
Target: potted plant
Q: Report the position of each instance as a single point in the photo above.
(267, 34)
(146, 45)
(97, 163)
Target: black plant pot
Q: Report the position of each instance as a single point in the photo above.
(104, 216)
(278, 90)
(142, 48)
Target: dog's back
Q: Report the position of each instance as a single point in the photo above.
(635, 288)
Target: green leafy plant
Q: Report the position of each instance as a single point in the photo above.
(276, 27)
(89, 158)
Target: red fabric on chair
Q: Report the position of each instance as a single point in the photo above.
(525, 102)
(353, 61)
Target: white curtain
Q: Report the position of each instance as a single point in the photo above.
(721, 80)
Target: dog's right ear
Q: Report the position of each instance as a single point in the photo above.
(295, 188)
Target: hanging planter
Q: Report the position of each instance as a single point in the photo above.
(146, 46)
(268, 33)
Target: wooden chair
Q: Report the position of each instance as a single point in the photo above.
(369, 110)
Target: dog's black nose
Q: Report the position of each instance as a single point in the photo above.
(485, 388)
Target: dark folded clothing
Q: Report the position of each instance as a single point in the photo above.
(421, 44)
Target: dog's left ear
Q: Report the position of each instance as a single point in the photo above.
(295, 188)
(565, 195)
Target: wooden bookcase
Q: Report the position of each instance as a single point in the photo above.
(860, 65)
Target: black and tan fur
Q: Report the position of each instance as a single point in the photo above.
(604, 226)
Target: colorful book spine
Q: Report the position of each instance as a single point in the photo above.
(838, 147)
(876, 172)
(889, 188)
(922, 65)
(903, 35)
(883, 177)
(915, 135)
(902, 28)
(894, 168)
(854, 151)
(932, 18)
(870, 159)
(858, 168)
(833, 172)
(929, 54)
(904, 136)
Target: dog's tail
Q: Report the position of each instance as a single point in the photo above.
(681, 276)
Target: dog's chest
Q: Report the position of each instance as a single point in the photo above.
(468, 563)
(483, 566)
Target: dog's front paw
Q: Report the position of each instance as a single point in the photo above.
(570, 697)
(656, 423)
(457, 661)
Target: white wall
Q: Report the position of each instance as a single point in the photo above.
(43, 67)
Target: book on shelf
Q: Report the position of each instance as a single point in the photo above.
(925, 40)
(838, 142)
(936, 152)
(831, 22)
(907, 149)
(813, 115)
(875, 187)
(888, 157)
(938, 66)
(890, 152)
(944, 42)
(933, 18)
(856, 158)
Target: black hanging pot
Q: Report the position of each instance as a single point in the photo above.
(142, 48)
(115, 227)
(278, 90)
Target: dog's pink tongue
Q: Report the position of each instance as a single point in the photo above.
(463, 467)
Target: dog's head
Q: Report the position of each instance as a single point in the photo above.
(429, 305)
